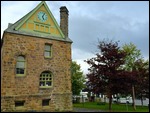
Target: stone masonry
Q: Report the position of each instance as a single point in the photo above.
(64, 20)
(27, 88)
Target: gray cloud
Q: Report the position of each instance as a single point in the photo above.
(86, 32)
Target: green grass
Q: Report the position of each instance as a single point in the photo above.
(115, 107)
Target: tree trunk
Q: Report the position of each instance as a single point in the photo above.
(141, 99)
(110, 102)
(133, 97)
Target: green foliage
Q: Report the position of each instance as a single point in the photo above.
(77, 78)
(133, 54)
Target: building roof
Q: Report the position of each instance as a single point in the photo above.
(16, 27)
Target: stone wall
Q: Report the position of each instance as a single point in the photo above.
(27, 88)
(59, 102)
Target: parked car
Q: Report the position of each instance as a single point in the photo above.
(125, 100)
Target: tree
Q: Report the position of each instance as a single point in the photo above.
(142, 85)
(77, 78)
(105, 74)
(133, 54)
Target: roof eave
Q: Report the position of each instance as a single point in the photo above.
(40, 36)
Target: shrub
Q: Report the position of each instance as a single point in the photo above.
(101, 103)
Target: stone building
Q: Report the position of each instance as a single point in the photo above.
(35, 63)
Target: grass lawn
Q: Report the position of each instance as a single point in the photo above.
(115, 107)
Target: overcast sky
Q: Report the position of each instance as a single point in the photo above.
(90, 21)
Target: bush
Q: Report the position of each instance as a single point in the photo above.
(98, 99)
(101, 103)
(76, 100)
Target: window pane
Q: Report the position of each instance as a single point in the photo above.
(43, 75)
(19, 103)
(45, 102)
(42, 84)
(48, 83)
(17, 71)
(21, 71)
(20, 58)
(47, 54)
(47, 75)
(47, 47)
(20, 64)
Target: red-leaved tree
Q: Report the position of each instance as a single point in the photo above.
(142, 84)
(105, 72)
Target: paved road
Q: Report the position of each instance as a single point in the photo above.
(85, 110)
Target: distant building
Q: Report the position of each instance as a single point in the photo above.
(35, 63)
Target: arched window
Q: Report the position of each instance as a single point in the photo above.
(46, 79)
(20, 66)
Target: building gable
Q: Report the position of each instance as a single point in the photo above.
(32, 23)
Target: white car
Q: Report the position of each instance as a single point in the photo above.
(125, 100)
